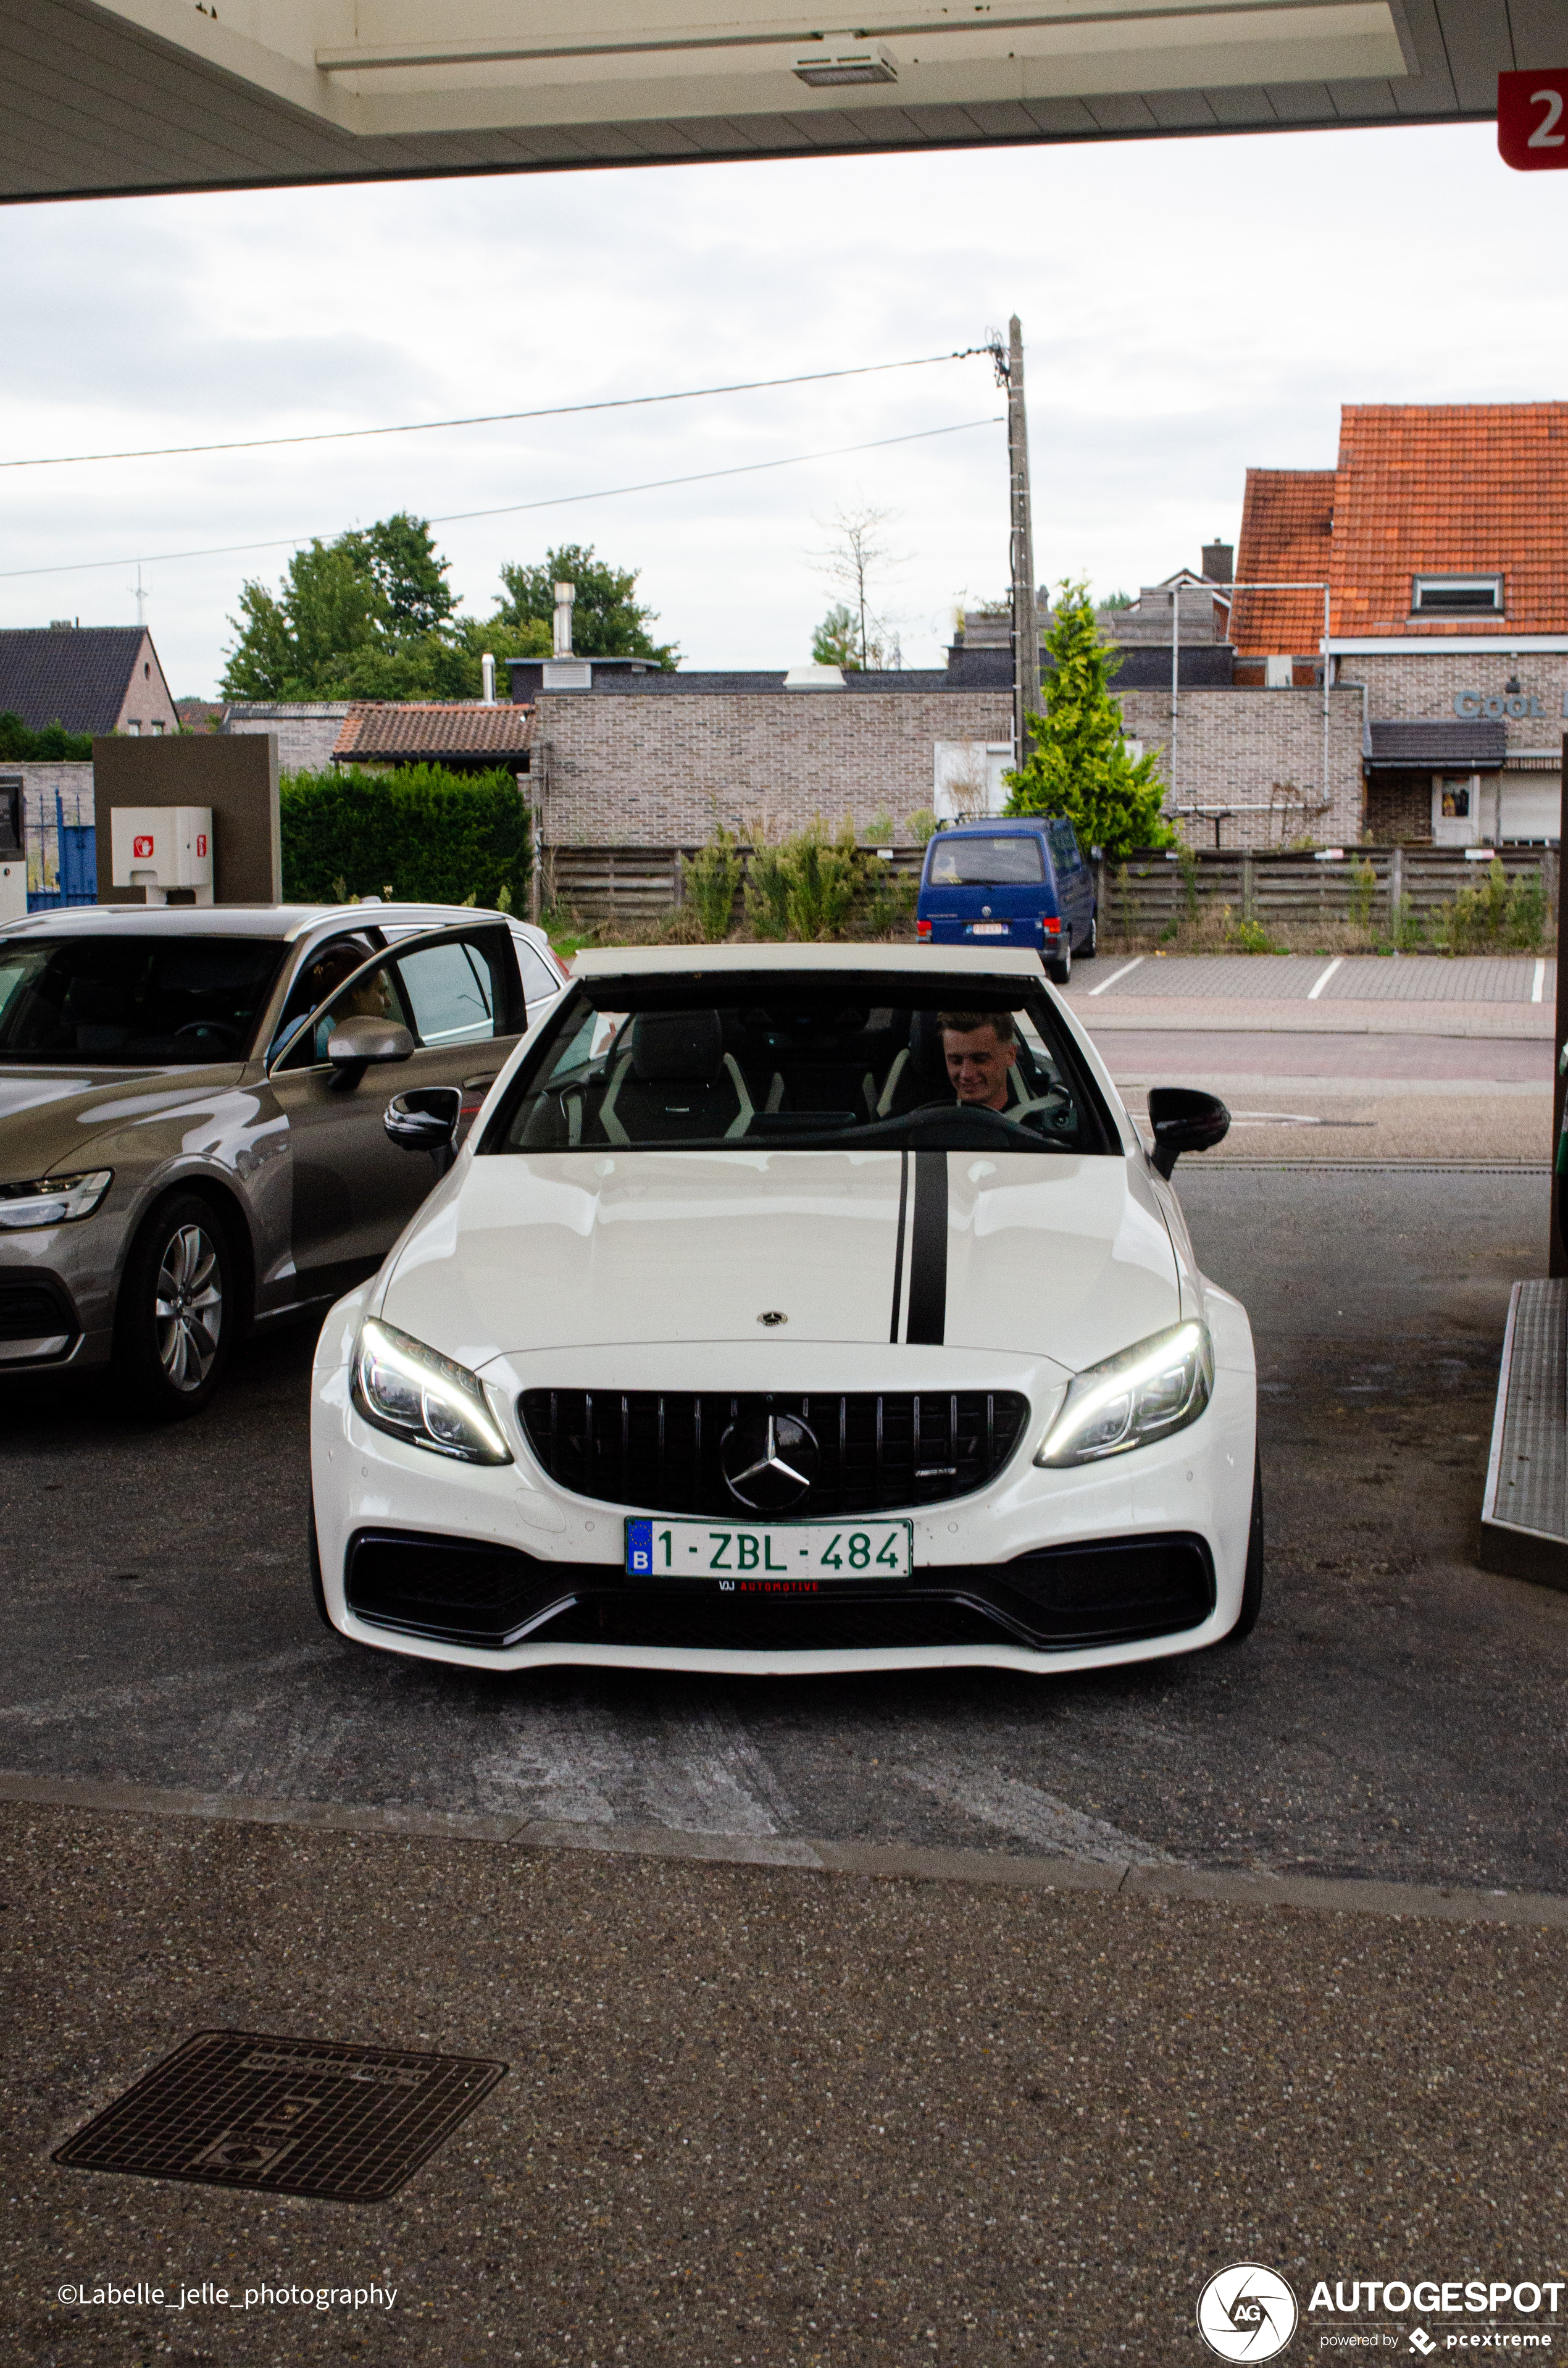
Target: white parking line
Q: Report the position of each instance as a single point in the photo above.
(1323, 978)
(1537, 984)
(1126, 970)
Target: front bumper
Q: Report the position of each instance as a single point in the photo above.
(494, 1567)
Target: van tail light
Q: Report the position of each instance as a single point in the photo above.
(922, 928)
(1052, 929)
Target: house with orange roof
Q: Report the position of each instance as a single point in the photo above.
(1440, 540)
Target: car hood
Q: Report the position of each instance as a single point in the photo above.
(1056, 1257)
(49, 1117)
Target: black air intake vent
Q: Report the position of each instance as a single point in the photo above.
(664, 1449)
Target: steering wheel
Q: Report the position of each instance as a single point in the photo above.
(994, 1125)
(208, 1028)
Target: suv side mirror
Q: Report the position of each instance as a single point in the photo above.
(1185, 1120)
(355, 1044)
(426, 1119)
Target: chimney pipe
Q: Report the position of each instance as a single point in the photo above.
(1219, 562)
(564, 595)
(487, 679)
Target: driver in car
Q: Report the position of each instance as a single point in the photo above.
(980, 1048)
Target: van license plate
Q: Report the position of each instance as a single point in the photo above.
(990, 929)
(677, 1553)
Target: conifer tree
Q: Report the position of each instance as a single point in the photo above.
(1078, 765)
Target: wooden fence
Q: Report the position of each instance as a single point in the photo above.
(1151, 891)
(640, 884)
(1364, 884)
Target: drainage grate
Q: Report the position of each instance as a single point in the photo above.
(293, 2116)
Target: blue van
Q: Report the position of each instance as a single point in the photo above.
(1021, 883)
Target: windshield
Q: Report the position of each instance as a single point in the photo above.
(124, 1002)
(809, 1063)
(1001, 862)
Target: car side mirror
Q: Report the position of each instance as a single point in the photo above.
(426, 1119)
(356, 1043)
(1185, 1120)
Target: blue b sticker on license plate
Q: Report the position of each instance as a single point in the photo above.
(777, 1555)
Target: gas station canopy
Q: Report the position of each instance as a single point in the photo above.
(105, 96)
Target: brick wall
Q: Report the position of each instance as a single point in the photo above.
(307, 730)
(659, 768)
(147, 707)
(1257, 748)
(1423, 687)
(1398, 808)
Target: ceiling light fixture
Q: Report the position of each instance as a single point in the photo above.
(830, 68)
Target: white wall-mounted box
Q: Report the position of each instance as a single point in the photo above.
(160, 847)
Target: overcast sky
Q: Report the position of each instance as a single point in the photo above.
(1188, 307)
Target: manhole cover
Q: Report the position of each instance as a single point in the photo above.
(297, 2116)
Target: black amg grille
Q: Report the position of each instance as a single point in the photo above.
(663, 1449)
(1099, 1592)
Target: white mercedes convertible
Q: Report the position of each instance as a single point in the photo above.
(792, 1309)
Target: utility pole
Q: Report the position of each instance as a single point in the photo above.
(1026, 623)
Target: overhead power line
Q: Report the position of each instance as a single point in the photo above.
(489, 418)
(512, 509)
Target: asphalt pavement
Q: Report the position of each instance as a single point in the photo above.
(1037, 2002)
(1395, 1714)
(757, 2117)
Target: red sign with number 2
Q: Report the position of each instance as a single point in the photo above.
(1532, 121)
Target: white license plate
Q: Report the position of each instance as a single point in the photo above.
(755, 1555)
(989, 929)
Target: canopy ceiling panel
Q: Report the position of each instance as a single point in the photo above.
(114, 96)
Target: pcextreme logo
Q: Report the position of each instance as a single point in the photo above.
(1246, 2313)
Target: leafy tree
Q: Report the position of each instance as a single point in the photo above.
(856, 552)
(53, 745)
(371, 615)
(608, 621)
(836, 640)
(341, 608)
(401, 560)
(1078, 765)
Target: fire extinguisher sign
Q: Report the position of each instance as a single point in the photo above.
(1532, 121)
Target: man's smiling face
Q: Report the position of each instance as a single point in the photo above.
(978, 1063)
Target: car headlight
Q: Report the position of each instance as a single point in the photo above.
(420, 1395)
(1144, 1394)
(54, 1201)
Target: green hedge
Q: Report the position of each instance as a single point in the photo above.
(426, 835)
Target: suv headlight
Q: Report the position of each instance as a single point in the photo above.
(1144, 1394)
(420, 1395)
(54, 1201)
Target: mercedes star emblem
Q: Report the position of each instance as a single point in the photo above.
(772, 1316)
(769, 1461)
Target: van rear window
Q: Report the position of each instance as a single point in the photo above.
(1000, 862)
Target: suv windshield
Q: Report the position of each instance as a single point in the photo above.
(124, 1002)
(1013, 861)
(812, 1063)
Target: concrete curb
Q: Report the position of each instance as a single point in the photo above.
(1236, 1887)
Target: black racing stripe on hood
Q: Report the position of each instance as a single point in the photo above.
(898, 1245)
(928, 1251)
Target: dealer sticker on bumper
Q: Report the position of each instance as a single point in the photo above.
(783, 1551)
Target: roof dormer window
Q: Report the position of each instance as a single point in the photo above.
(1456, 596)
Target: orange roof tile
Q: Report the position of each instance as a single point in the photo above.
(1287, 523)
(1420, 489)
(415, 729)
(1451, 489)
